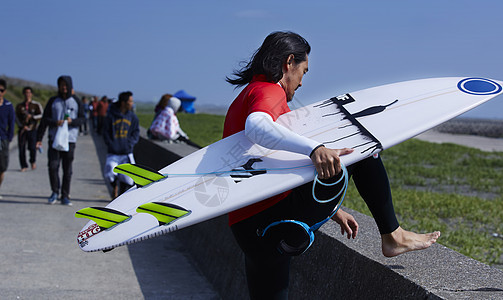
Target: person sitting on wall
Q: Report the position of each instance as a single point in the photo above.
(165, 126)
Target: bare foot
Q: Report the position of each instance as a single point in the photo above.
(401, 241)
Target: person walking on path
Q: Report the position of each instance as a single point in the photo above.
(7, 121)
(83, 128)
(93, 107)
(102, 113)
(63, 107)
(28, 114)
(121, 132)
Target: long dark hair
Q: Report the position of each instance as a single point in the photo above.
(270, 57)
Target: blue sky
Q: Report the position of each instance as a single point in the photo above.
(156, 47)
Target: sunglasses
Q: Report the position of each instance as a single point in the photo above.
(2, 90)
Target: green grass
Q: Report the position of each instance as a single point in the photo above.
(202, 129)
(454, 189)
(207, 130)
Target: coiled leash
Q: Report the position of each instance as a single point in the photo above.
(292, 228)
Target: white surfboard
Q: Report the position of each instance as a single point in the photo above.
(233, 173)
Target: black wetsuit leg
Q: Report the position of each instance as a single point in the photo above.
(371, 180)
(267, 269)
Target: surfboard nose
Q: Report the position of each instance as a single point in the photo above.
(480, 86)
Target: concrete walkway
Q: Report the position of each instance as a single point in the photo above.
(39, 255)
(473, 141)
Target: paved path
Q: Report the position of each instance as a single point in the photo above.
(479, 142)
(39, 256)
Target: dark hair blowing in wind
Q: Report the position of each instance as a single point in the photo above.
(270, 57)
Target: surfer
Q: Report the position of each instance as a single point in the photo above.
(271, 77)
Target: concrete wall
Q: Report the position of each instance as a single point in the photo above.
(334, 267)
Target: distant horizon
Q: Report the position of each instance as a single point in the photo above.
(491, 110)
(213, 108)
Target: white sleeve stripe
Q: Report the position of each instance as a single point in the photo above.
(262, 130)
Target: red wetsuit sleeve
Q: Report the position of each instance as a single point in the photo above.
(258, 96)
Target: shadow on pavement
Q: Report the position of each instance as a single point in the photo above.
(162, 267)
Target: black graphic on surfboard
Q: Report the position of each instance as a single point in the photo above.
(373, 144)
(248, 170)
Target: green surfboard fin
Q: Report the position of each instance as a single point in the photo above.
(165, 213)
(104, 217)
(141, 175)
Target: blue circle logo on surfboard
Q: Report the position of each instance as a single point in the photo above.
(479, 86)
